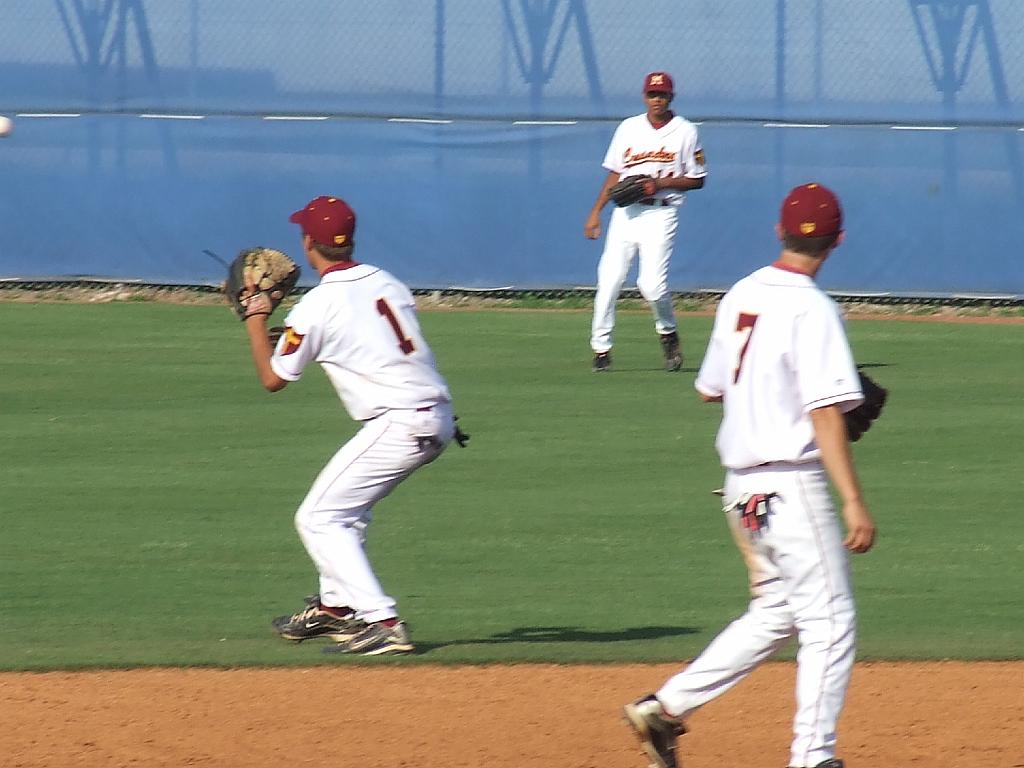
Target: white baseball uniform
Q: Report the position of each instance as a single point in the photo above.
(778, 350)
(649, 227)
(360, 325)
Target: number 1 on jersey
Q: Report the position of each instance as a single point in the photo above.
(744, 327)
(404, 343)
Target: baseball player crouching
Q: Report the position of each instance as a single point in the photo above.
(664, 147)
(779, 362)
(360, 324)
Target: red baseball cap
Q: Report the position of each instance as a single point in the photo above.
(811, 210)
(328, 220)
(659, 82)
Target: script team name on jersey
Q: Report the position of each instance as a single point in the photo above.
(662, 155)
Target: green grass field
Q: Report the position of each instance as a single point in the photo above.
(149, 485)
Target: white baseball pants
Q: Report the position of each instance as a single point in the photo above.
(649, 231)
(800, 582)
(333, 517)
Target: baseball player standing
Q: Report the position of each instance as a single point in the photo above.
(359, 323)
(779, 362)
(666, 147)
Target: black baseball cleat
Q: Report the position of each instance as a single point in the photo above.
(656, 731)
(830, 763)
(381, 638)
(315, 622)
(309, 600)
(670, 348)
(602, 362)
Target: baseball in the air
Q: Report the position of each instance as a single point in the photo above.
(6, 126)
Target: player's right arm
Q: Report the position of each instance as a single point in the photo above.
(612, 162)
(259, 344)
(592, 229)
(298, 345)
(830, 435)
(711, 378)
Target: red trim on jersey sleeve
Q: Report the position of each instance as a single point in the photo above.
(339, 266)
(706, 390)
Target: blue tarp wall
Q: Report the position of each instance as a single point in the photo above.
(149, 131)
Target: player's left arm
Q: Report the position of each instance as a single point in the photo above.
(830, 435)
(259, 344)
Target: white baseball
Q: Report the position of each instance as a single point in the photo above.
(6, 126)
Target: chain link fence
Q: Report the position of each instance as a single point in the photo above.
(870, 60)
(188, 134)
(119, 290)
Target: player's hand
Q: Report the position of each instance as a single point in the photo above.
(255, 302)
(257, 305)
(592, 229)
(860, 527)
(650, 187)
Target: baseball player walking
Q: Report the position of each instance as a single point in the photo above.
(665, 147)
(359, 323)
(779, 362)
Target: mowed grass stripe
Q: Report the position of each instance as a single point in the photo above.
(149, 487)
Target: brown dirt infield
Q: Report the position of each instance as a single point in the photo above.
(939, 715)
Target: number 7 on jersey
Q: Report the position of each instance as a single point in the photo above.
(744, 329)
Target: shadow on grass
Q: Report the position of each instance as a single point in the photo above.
(563, 635)
(647, 369)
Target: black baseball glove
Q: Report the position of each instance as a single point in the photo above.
(258, 280)
(460, 437)
(629, 190)
(860, 419)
